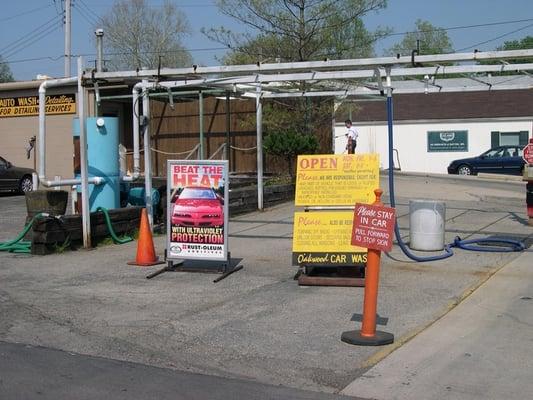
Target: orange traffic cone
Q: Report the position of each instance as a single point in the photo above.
(145, 245)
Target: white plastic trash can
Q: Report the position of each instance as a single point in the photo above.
(426, 225)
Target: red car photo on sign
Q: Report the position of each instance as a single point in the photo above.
(198, 206)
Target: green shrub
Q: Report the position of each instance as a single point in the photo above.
(288, 145)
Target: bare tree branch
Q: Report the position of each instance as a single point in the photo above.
(137, 35)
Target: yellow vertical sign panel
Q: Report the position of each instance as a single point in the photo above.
(336, 180)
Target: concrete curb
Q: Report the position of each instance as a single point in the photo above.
(512, 179)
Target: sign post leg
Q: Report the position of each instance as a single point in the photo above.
(368, 335)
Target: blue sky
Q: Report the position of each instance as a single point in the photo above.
(19, 18)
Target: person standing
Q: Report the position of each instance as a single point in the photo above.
(352, 137)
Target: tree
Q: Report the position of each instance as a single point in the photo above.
(524, 43)
(287, 144)
(296, 30)
(433, 40)
(139, 36)
(5, 71)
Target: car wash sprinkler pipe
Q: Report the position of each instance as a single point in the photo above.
(141, 89)
(136, 91)
(42, 137)
(147, 157)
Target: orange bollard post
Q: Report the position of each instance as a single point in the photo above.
(368, 335)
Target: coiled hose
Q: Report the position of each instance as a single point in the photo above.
(509, 244)
(18, 245)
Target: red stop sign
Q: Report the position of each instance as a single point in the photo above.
(528, 152)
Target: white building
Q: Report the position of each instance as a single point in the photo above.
(431, 130)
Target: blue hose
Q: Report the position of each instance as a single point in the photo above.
(510, 245)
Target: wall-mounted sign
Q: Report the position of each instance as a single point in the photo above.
(323, 238)
(197, 210)
(29, 105)
(336, 180)
(447, 141)
(373, 227)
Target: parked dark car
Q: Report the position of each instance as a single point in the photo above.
(15, 178)
(498, 160)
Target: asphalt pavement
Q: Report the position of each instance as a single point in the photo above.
(258, 325)
(29, 372)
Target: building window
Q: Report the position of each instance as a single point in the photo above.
(519, 138)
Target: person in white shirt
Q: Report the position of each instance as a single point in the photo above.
(352, 137)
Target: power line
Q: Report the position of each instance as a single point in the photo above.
(24, 13)
(496, 38)
(28, 42)
(109, 54)
(59, 9)
(86, 10)
(27, 36)
(158, 52)
(33, 59)
(452, 28)
(190, 5)
(85, 16)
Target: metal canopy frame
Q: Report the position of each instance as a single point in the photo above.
(269, 81)
(263, 81)
(326, 65)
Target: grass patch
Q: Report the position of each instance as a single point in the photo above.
(280, 180)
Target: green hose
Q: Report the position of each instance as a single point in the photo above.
(18, 245)
(116, 239)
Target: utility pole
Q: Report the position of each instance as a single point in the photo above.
(67, 37)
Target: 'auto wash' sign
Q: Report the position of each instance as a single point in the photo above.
(447, 141)
(29, 105)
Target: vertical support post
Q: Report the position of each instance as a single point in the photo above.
(201, 122)
(42, 132)
(368, 335)
(259, 123)
(67, 37)
(390, 115)
(228, 129)
(147, 157)
(336, 105)
(86, 215)
(136, 114)
(529, 197)
(368, 326)
(34, 180)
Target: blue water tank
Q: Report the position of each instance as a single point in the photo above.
(102, 160)
(102, 157)
(136, 196)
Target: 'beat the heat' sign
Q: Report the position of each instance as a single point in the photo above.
(197, 210)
